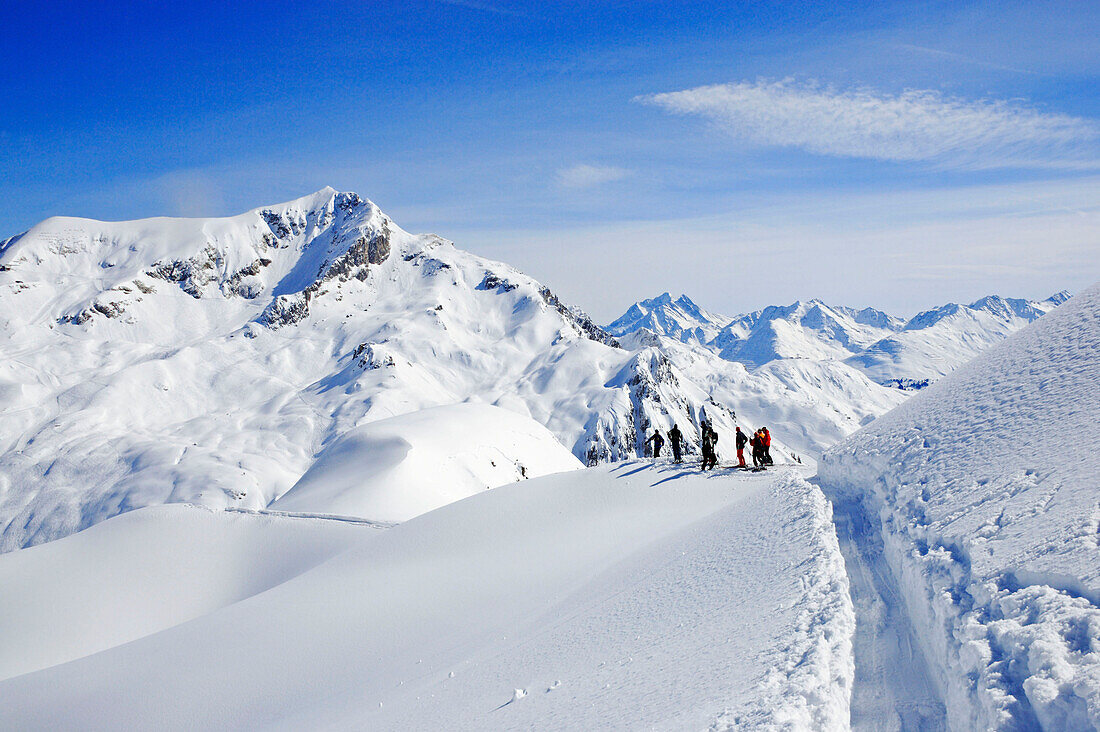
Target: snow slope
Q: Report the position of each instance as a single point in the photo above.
(625, 597)
(146, 571)
(983, 492)
(397, 468)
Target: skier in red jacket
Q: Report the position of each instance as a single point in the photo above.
(767, 445)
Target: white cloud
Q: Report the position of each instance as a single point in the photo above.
(587, 176)
(916, 125)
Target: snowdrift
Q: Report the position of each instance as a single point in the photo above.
(397, 468)
(145, 571)
(983, 490)
(633, 596)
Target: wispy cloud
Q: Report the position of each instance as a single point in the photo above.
(958, 57)
(485, 7)
(916, 125)
(588, 176)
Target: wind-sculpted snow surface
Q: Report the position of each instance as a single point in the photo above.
(147, 571)
(985, 491)
(639, 596)
(397, 468)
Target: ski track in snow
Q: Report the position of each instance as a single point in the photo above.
(893, 688)
(982, 492)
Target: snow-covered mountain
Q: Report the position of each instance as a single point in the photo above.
(934, 343)
(213, 361)
(891, 351)
(976, 502)
(811, 330)
(681, 319)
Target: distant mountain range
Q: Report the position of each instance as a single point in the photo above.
(889, 350)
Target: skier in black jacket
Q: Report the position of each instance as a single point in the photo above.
(657, 441)
(710, 440)
(674, 438)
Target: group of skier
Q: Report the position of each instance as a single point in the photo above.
(760, 442)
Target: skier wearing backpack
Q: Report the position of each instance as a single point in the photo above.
(710, 442)
(705, 442)
(741, 442)
(767, 445)
(674, 438)
(757, 449)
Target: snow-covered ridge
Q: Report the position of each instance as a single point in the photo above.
(890, 350)
(982, 489)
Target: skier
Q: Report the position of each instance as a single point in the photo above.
(710, 440)
(741, 442)
(767, 445)
(707, 445)
(674, 437)
(757, 450)
(713, 447)
(657, 441)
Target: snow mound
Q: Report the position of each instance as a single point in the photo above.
(145, 571)
(984, 491)
(397, 468)
(637, 596)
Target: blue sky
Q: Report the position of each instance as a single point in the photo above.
(893, 154)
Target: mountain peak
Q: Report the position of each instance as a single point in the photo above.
(317, 200)
(680, 318)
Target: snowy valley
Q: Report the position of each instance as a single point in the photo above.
(243, 483)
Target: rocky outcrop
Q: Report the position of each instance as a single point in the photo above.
(492, 282)
(287, 309)
(652, 396)
(367, 249)
(579, 320)
(369, 356)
